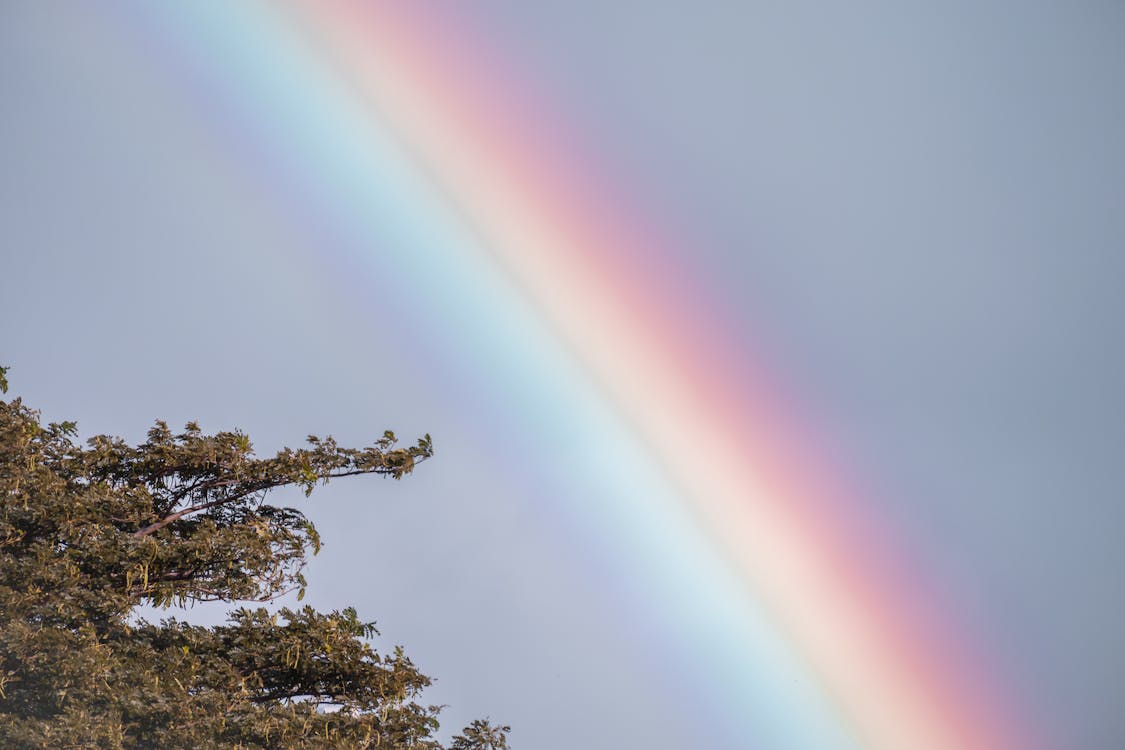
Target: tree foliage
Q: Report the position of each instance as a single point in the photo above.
(89, 533)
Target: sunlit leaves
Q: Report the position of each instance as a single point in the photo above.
(89, 533)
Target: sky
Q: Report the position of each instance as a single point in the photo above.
(907, 216)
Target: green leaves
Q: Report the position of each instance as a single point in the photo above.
(480, 735)
(89, 533)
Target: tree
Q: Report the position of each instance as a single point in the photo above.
(90, 533)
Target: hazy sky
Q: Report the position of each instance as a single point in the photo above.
(922, 204)
(917, 209)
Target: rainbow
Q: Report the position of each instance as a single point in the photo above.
(389, 128)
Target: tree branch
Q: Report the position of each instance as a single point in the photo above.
(173, 517)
